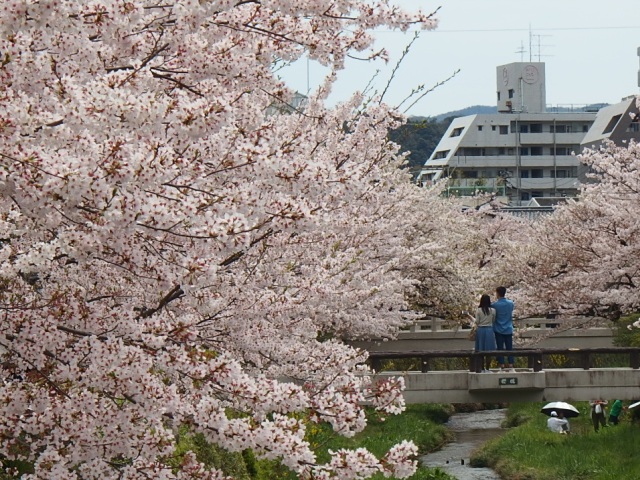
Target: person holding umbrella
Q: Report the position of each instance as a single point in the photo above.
(558, 413)
(557, 423)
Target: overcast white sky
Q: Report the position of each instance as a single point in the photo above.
(589, 48)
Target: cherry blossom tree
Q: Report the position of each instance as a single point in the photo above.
(174, 253)
(585, 256)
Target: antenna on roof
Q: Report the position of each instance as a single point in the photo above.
(533, 44)
(539, 46)
(521, 51)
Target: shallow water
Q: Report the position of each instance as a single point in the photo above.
(471, 430)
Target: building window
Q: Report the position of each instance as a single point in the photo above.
(473, 152)
(559, 174)
(535, 194)
(535, 128)
(561, 151)
(537, 151)
(524, 128)
(524, 151)
(524, 173)
(511, 92)
(612, 124)
(585, 128)
(537, 173)
(470, 174)
(493, 128)
(498, 96)
(504, 129)
(457, 132)
(525, 196)
(479, 128)
(441, 154)
(561, 129)
(502, 150)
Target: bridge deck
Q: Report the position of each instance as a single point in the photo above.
(584, 381)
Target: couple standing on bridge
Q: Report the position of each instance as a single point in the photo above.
(494, 322)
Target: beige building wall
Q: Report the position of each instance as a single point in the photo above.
(521, 87)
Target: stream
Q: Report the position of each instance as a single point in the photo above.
(471, 430)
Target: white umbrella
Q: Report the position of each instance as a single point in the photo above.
(567, 409)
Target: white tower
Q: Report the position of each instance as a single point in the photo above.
(521, 87)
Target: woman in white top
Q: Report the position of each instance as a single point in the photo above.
(485, 338)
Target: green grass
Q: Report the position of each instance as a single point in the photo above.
(420, 423)
(531, 452)
(423, 424)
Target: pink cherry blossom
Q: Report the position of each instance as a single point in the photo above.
(173, 253)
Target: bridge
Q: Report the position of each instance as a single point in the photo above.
(580, 378)
(436, 333)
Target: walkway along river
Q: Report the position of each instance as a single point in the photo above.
(471, 430)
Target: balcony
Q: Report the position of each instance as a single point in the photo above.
(547, 138)
(547, 183)
(469, 186)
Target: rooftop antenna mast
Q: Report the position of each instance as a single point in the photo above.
(539, 45)
(521, 51)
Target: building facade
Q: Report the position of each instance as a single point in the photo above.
(619, 123)
(521, 152)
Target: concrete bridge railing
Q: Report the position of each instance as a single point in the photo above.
(437, 324)
(435, 333)
(536, 382)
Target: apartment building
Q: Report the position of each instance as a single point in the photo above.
(521, 152)
(618, 123)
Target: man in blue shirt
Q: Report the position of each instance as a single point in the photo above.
(503, 326)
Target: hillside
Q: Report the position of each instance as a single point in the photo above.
(420, 135)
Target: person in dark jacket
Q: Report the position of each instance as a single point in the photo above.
(598, 415)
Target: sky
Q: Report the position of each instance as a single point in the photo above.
(589, 47)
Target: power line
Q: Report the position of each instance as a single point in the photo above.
(491, 30)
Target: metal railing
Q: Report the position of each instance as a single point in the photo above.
(536, 358)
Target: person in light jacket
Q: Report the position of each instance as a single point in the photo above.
(557, 423)
(485, 339)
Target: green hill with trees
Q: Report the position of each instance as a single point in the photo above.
(420, 135)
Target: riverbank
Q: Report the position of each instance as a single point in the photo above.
(531, 452)
(471, 430)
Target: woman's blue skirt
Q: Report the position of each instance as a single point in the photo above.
(485, 339)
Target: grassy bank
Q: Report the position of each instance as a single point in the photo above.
(532, 452)
(423, 424)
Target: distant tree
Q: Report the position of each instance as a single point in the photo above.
(419, 136)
